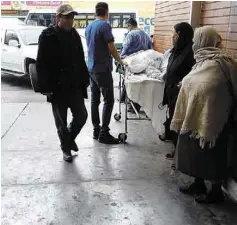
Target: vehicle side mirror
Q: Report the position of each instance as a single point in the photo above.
(14, 43)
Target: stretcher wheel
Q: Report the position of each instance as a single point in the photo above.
(117, 117)
(123, 137)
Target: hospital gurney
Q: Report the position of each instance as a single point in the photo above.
(151, 88)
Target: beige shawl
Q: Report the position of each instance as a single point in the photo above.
(208, 92)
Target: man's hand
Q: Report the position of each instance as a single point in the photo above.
(114, 52)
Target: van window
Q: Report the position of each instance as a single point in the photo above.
(119, 20)
(41, 19)
(115, 21)
(83, 20)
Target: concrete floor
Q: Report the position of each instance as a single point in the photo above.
(128, 184)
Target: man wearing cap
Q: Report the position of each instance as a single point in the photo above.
(101, 48)
(136, 40)
(63, 77)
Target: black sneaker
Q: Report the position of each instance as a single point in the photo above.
(170, 155)
(96, 133)
(67, 156)
(164, 138)
(108, 139)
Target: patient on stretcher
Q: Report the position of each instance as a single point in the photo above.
(145, 65)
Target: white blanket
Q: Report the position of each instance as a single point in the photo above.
(147, 87)
(148, 93)
(145, 61)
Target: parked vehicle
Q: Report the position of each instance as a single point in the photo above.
(19, 50)
(21, 18)
(117, 20)
(9, 21)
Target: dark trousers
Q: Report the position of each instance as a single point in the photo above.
(60, 106)
(107, 91)
(171, 135)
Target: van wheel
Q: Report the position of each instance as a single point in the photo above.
(34, 77)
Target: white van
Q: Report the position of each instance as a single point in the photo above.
(117, 20)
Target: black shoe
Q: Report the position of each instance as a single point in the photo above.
(164, 138)
(108, 139)
(170, 155)
(194, 189)
(173, 167)
(67, 156)
(212, 197)
(74, 146)
(96, 133)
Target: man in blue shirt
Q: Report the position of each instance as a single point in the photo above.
(101, 48)
(136, 40)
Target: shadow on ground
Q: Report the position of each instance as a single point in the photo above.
(14, 81)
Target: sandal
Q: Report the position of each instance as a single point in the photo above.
(164, 138)
(173, 167)
(170, 155)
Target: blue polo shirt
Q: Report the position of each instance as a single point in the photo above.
(98, 35)
(135, 41)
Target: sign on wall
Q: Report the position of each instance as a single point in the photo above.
(19, 5)
(147, 24)
(43, 3)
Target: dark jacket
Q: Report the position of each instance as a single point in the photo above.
(180, 63)
(60, 63)
(178, 67)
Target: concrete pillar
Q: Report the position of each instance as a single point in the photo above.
(195, 13)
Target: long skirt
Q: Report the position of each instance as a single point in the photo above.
(207, 163)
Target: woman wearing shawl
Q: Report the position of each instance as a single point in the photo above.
(180, 64)
(204, 116)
